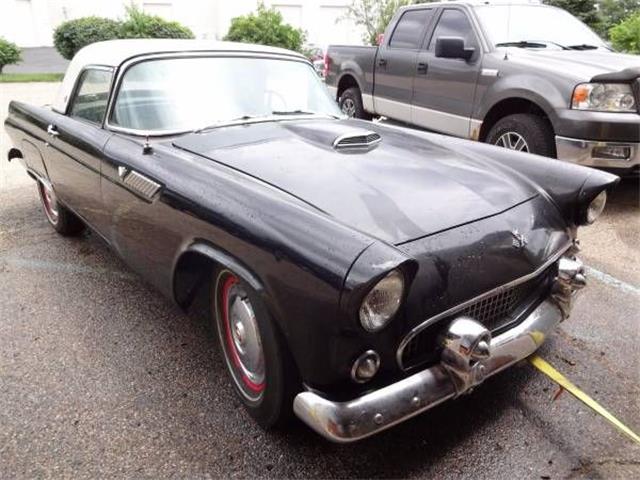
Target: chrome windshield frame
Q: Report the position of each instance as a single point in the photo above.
(122, 70)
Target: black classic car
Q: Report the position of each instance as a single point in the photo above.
(357, 274)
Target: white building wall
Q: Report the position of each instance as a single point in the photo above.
(30, 23)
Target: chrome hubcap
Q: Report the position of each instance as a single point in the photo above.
(513, 141)
(240, 337)
(49, 202)
(349, 107)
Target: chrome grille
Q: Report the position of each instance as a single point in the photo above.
(493, 311)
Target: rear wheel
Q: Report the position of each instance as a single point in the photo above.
(524, 132)
(60, 218)
(254, 352)
(351, 104)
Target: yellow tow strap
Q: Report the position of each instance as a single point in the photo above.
(561, 380)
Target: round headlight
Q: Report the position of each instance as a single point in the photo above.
(382, 302)
(596, 207)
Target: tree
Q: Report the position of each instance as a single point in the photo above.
(585, 10)
(613, 12)
(265, 27)
(626, 35)
(374, 16)
(139, 24)
(9, 53)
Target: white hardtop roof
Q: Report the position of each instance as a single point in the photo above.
(114, 53)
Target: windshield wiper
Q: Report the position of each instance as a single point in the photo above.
(299, 112)
(583, 46)
(224, 122)
(531, 44)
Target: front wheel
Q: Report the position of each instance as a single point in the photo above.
(255, 354)
(351, 104)
(60, 218)
(524, 132)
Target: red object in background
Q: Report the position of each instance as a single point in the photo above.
(380, 39)
(327, 62)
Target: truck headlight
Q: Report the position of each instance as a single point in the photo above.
(596, 207)
(604, 97)
(382, 302)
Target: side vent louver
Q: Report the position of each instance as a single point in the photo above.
(357, 141)
(141, 184)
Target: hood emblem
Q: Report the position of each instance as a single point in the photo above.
(519, 241)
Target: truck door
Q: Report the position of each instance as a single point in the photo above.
(444, 88)
(75, 144)
(396, 63)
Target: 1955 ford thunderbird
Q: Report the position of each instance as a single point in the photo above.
(357, 274)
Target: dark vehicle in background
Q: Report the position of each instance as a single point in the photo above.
(520, 75)
(355, 273)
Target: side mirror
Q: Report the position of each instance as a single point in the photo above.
(453, 47)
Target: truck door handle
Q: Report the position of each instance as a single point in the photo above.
(382, 62)
(53, 131)
(423, 68)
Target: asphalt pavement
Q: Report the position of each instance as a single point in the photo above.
(39, 60)
(101, 376)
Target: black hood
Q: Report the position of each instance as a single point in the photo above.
(406, 187)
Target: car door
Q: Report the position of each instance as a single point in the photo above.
(75, 145)
(396, 63)
(444, 88)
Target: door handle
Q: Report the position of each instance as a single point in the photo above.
(423, 68)
(53, 131)
(382, 62)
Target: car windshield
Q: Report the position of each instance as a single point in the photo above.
(536, 26)
(184, 94)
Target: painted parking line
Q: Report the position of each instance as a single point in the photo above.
(612, 281)
(547, 369)
(51, 266)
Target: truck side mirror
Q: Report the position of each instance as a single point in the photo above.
(453, 47)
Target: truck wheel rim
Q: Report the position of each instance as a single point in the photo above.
(349, 107)
(49, 202)
(513, 141)
(240, 337)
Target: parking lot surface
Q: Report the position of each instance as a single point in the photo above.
(102, 376)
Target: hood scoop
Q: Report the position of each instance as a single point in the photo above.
(357, 141)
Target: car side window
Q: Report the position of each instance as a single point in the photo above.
(408, 31)
(454, 23)
(91, 96)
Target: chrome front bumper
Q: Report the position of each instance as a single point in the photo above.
(581, 152)
(469, 356)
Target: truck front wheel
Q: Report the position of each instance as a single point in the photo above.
(524, 132)
(351, 104)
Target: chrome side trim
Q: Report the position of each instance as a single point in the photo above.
(141, 184)
(430, 321)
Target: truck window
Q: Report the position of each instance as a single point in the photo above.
(92, 93)
(454, 23)
(408, 31)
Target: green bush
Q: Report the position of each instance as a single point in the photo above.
(9, 53)
(265, 27)
(626, 35)
(138, 24)
(72, 35)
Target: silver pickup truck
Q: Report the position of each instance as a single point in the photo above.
(521, 75)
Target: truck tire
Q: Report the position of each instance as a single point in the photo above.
(351, 104)
(524, 132)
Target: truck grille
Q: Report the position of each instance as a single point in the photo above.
(494, 312)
